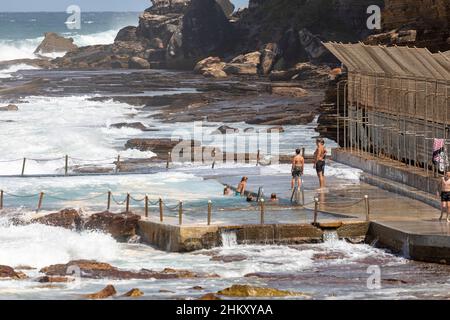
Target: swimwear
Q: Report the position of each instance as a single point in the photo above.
(297, 172)
(237, 194)
(320, 167)
(445, 196)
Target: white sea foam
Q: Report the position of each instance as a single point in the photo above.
(38, 245)
(24, 49)
(7, 73)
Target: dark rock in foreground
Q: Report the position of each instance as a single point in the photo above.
(97, 270)
(55, 43)
(120, 226)
(107, 292)
(9, 273)
(67, 218)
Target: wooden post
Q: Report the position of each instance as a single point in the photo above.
(127, 210)
(209, 212)
(41, 198)
(262, 207)
(366, 199)
(146, 206)
(180, 212)
(66, 167)
(169, 157)
(316, 208)
(108, 206)
(161, 210)
(1, 199)
(118, 164)
(23, 166)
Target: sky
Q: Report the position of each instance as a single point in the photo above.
(85, 5)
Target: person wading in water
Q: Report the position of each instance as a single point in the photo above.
(444, 188)
(319, 161)
(298, 164)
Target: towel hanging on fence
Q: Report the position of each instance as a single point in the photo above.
(440, 158)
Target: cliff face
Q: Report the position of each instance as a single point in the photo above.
(422, 23)
(280, 21)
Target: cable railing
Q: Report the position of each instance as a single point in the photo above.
(181, 208)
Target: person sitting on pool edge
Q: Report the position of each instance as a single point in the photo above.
(240, 191)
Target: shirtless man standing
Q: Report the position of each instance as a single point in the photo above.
(444, 188)
(319, 161)
(298, 164)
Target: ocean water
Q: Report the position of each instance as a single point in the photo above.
(21, 33)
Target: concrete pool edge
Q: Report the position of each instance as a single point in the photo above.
(175, 238)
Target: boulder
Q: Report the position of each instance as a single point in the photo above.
(241, 69)
(209, 297)
(127, 34)
(278, 129)
(55, 43)
(106, 292)
(138, 63)
(269, 55)
(225, 130)
(211, 67)
(253, 58)
(245, 291)
(67, 218)
(10, 107)
(119, 226)
(133, 293)
(9, 273)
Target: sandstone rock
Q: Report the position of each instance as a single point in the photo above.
(225, 130)
(138, 63)
(211, 67)
(241, 291)
(9, 273)
(206, 63)
(134, 293)
(278, 129)
(133, 125)
(241, 69)
(97, 270)
(67, 218)
(10, 107)
(107, 292)
(402, 37)
(253, 58)
(209, 297)
(120, 226)
(198, 288)
(289, 91)
(55, 43)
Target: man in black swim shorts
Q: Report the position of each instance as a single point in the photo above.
(319, 161)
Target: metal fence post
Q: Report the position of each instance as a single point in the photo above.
(180, 212)
(366, 199)
(66, 166)
(209, 212)
(127, 209)
(23, 166)
(316, 208)
(118, 164)
(1, 199)
(263, 209)
(146, 206)
(41, 198)
(161, 210)
(108, 206)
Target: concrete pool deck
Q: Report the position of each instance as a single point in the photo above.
(404, 225)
